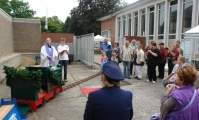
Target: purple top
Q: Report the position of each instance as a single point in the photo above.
(183, 95)
(49, 51)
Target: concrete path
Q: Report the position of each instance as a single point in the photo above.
(70, 104)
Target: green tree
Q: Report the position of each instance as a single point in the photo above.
(66, 24)
(4, 5)
(17, 8)
(54, 24)
(83, 17)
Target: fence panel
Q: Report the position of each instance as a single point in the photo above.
(84, 49)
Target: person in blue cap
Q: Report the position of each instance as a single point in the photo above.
(110, 102)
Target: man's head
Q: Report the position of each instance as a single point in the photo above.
(174, 46)
(178, 43)
(161, 45)
(106, 40)
(127, 43)
(63, 41)
(181, 60)
(153, 45)
(133, 41)
(48, 41)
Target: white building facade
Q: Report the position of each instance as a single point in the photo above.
(158, 20)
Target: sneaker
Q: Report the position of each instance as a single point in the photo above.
(154, 82)
(139, 79)
(147, 80)
(128, 77)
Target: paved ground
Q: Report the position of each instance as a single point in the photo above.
(70, 104)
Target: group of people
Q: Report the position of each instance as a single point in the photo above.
(49, 54)
(181, 99)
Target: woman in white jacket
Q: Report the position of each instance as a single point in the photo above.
(139, 62)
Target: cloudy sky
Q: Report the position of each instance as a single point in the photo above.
(60, 8)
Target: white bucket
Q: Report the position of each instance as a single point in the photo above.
(55, 62)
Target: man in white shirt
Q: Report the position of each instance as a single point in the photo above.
(47, 54)
(63, 51)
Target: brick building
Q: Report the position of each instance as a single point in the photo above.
(159, 20)
(56, 37)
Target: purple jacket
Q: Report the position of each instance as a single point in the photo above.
(183, 95)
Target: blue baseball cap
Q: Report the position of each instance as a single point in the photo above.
(112, 71)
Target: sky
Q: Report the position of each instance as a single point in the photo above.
(60, 8)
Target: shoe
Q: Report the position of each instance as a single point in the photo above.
(65, 80)
(135, 77)
(128, 77)
(154, 82)
(139, 79)
(147, 80)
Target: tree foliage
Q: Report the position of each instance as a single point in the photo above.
(17, 8)
(4, 5)
(83, 17)
(66, 24)
(54, 24)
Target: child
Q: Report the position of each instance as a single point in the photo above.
(114, 58)
(102, 64)
(102, 58)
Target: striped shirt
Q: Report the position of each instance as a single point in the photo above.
(126, 53)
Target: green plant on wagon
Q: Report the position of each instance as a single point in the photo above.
(55, 78)
(24, 75)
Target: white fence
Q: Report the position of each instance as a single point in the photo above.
(84, 49)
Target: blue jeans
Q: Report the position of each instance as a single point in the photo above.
(165, 82)
(126, 65)
(65, 64)
(108, 54)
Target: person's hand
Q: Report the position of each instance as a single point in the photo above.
(170, 88)
(164, 78)
(132, 60)
(149, 51)
(49, 57)
(171, 80)
(198, 89)
(106, 50)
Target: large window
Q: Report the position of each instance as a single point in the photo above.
(106, 34)
(143, 15)
(187, 15)
(129, 25)
(151, 22)
(119, 27)
(124, 25)
(136, 24)
(161, 21)
(173, 19)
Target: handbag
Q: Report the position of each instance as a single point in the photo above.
(120, 60)
(156, 116)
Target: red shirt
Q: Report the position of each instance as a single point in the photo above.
(175, 51)
(163, 54)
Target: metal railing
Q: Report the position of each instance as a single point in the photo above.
(84, 49)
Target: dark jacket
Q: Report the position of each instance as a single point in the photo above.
(152, 60)
(109, 104)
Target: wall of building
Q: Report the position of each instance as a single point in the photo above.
(13, 60)
(56, 37)
(109, 25)
(6, 36)
(26, 35)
